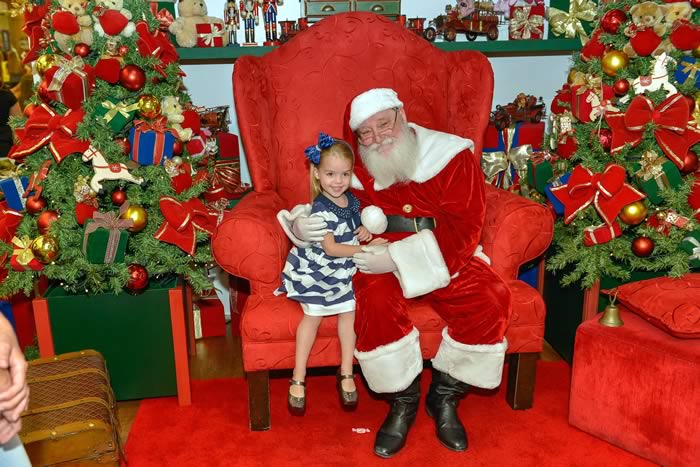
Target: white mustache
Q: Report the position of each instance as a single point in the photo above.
(375, 146)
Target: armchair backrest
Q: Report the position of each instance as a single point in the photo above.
(284, 98)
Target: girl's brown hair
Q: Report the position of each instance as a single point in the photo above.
(340, 149)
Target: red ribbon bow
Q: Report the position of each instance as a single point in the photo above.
(164, 17)
(670, 119)
(182, 219)
(158, 45)
(607, 191)
(46, 126)
(159, 125)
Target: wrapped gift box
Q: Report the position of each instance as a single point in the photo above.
(151, 145)
(70, 83)
(691, 245)
(686, 69)
(588, 104)
(542, 168)
(13, 189)
(228, 145)
(526, 22)
(209, 318)
(556, 204)
(502, 148)
(115, 113)
(103, 245)
(657, 176)
(209, 35)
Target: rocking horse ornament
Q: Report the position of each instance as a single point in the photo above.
(657, 80)
(107, 171)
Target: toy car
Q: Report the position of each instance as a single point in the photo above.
(290, 29)
(525, 108)
(482, 21)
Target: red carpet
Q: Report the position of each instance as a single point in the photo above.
(214, 430)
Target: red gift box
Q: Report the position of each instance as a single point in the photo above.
(587, 104)
(228, 145)
(526, 22)
(212, 320)
(210, 35)
(70, 82)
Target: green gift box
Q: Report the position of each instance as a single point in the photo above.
(655, 174)
(115, 113)
(105, 237)
(691, 245)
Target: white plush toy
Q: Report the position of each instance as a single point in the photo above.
(84, 35)
(374, 220)
(171, 108)
(112, 19)
(190, 13)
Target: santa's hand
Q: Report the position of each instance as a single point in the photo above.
(374, 260)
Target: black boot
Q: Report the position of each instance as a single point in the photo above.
(441, 404)
(391, 437)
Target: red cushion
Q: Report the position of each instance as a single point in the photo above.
(667, 303)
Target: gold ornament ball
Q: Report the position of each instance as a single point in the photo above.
(614, 61)
(45, 248)
(696, 52)
(44, 62)
(137, 214)
(149, 106)
(572, 76)
(633, 213)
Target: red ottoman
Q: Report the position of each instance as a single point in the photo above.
(638, 388)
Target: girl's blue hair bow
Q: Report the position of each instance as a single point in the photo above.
(313, 153)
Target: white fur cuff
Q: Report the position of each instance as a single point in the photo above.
(286, 219)
(392, 367)
(421, 267)
(476, 365)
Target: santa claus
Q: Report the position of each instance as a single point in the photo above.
(431, 188)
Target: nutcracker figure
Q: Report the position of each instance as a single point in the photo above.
(232, 20)
(249, 16)
(270, 19)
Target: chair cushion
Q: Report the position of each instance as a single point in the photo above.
(670, 304)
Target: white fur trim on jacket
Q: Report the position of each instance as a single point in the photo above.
(421, 267)
(286, 219)
(392, 367)
(476, 365)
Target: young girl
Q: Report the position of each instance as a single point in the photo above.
(320, 276)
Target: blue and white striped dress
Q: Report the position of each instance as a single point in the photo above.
(321, 283)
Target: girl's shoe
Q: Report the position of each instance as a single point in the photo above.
(347, 399)
(296, 405)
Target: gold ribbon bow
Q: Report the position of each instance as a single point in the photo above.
(522, 25)
(120, 108)
(493, 163)
(696, 247)
(66, 68)
(569, 23)
(690, 68)
(8, 169)
(651, 166)
(24, 245)
(587, 82)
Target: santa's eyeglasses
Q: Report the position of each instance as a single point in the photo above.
(366, 136)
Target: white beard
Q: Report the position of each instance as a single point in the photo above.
(398, 165)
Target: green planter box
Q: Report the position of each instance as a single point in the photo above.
(134, 333)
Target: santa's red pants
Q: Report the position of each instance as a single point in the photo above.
(475, 305)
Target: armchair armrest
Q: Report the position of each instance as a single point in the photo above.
(516, 230)
(249, 242)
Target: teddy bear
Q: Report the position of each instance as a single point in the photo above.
(190, 13)
(684, 34)
(112, 19)
(646, 28)
(72, 24)
(171, 108)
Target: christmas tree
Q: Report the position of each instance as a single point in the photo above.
(626, 129)
(105, 194)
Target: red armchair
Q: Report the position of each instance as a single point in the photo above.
(282, 101)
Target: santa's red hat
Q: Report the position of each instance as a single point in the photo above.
(371, 102)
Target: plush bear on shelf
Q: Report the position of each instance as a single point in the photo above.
(112, 19)
(72, 25)
(172, 109)
(190, 13)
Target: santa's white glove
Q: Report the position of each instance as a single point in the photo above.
(374, 259)
(301, 228)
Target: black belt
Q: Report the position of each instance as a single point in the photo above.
(410, 224)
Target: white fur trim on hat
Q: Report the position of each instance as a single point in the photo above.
(394, 366)
(479, 365)
(371, 102)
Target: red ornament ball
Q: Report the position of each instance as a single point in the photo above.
(122, 50)
(82, 50)
(695, 3)
(178, 147)
(690, 162)
(621, 86)
(35, 205)
(138, 279)
(612, 20)
(45, 220)
(605, 138)
(124, 144)
(83, 212)
(643, 246)
(118, 197)
(132, 77)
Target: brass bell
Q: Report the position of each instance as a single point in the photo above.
(611, 317)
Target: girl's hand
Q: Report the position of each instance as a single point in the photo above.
(379, 241)
(363, 234)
